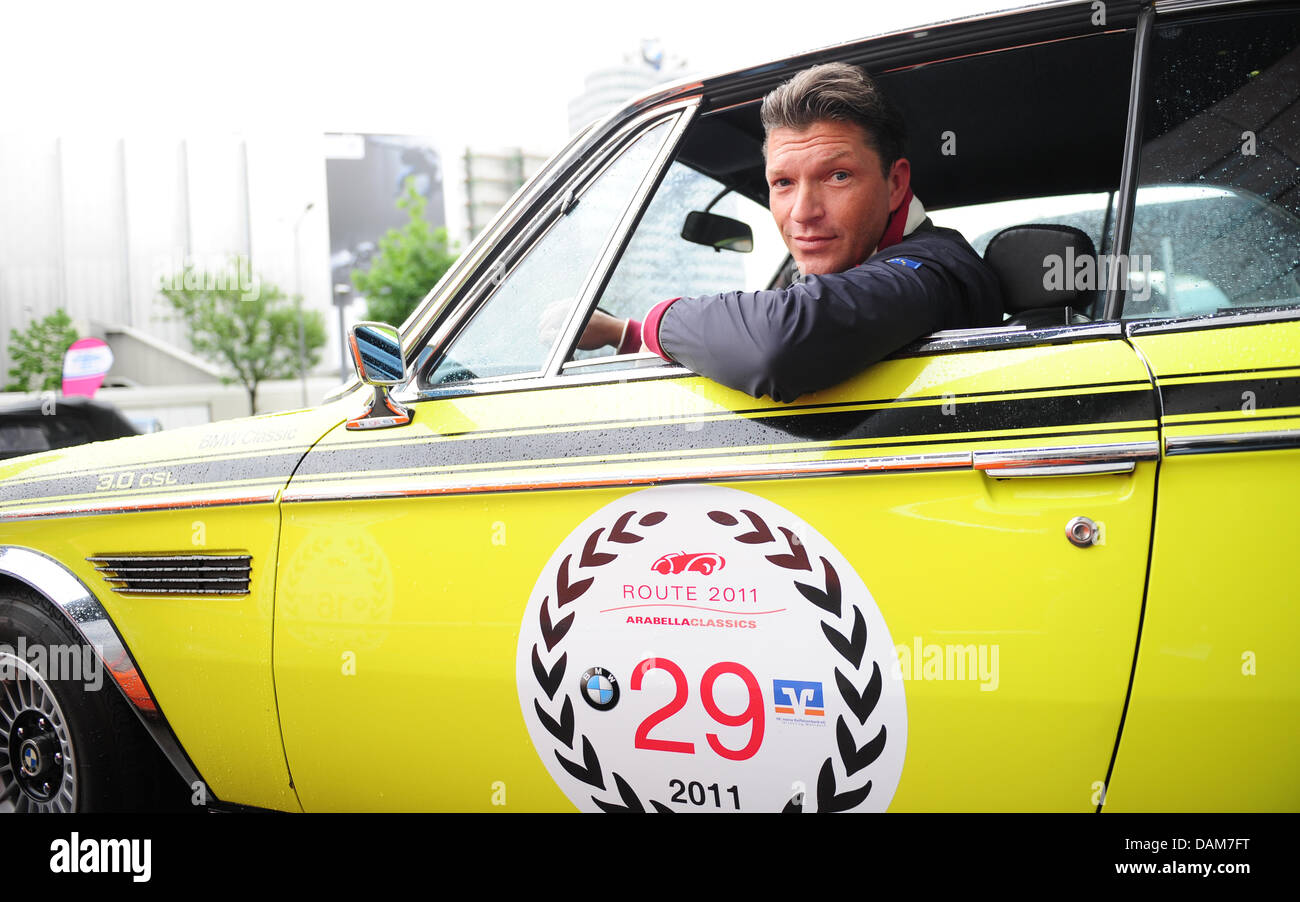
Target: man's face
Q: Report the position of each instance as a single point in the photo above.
(828, 195)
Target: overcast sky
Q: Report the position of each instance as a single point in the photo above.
(485, 73)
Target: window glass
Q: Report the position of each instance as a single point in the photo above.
(514, 330)
(20, 438)
(1092, 213)
(659, 263)
(1215, 228)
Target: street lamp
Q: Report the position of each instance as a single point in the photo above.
(302, 336)
(342, 297)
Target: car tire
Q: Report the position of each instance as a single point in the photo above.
(68, 741)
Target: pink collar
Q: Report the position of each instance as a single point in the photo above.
(894, 229)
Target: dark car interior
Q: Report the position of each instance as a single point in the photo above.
(1047, 120)
(1017, 123)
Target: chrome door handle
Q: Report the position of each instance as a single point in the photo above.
(1074, 460)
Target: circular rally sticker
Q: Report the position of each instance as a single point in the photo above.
(699, 648)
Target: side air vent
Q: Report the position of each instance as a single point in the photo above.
(176, 574)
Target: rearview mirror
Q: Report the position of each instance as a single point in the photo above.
(718, 232)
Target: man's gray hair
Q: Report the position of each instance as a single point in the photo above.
(841, 93)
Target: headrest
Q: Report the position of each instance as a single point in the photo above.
(1036, 266)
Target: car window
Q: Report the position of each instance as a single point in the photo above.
(22, 438)
(513, 332)
(659, 263)
(1215, 227)
(1092, 213)
(28, 436)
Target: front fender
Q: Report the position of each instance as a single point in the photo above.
(87, 617)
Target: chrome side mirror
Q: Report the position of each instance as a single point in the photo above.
(377, 356)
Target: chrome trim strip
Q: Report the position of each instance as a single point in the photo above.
(92, 507)
(589, 479)
(178, 558)
(639, 359)
(1234, 441)
(87, 616)
(998, 337)
(1069, 460)
(1212, 321)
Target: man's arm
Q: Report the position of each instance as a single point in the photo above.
(820, 332)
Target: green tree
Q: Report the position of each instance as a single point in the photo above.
(37, 354)
(410, 261)
(245, 324)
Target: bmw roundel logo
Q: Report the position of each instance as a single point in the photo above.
(599, 688)
(31, 759)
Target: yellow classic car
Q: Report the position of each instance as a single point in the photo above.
(1039, 566)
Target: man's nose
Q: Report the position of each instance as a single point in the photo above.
(807, 204)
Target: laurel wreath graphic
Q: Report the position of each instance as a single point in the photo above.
(550, 670)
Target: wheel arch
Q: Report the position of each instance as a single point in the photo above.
(82, 612)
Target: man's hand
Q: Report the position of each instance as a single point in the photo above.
(602, 329)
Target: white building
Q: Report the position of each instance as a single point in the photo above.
(610, 88)
(93, 224)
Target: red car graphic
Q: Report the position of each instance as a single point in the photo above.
(680, 562)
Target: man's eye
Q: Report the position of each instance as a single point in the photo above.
(780, 183)
(840, 176)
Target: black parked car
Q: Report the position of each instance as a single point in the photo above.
(43, 424)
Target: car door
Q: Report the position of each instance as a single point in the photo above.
(1212, 724)
(611, 584)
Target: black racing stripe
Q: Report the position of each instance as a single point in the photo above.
(738, 433)
(1243, 371)
(786, 409)
(1239, 420)
(99, 468)
(277, 466)
(300, 479)
(1229, 395)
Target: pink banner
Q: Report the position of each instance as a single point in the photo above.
(85, 364)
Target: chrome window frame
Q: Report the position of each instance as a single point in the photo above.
(1252, 316)
(677, 114)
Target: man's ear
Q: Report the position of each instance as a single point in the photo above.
(900, 179)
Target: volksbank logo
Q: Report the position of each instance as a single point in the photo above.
(798, 697)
